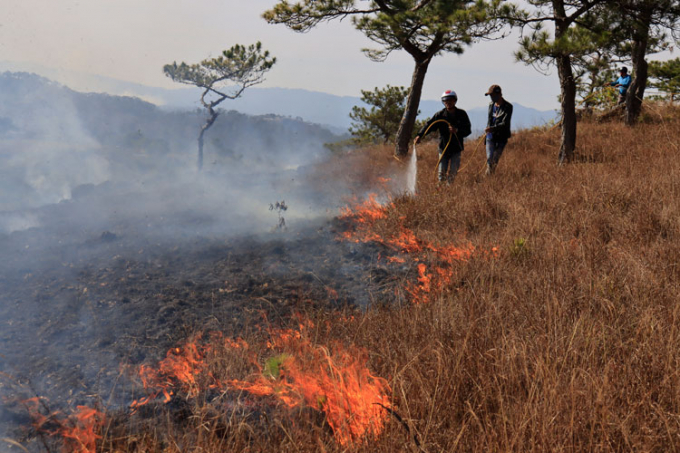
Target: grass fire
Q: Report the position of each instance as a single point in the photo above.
(532, 310)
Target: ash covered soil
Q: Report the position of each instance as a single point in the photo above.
(78, 303)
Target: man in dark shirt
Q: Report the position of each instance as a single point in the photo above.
(497, 127)
(453, 125)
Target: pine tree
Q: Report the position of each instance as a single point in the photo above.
(381, 122)
(423, 28)
(543, 49)
(647, 22)
(665, 76)
(223, 77)
(633, 30)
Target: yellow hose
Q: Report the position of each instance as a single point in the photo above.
(474, 151)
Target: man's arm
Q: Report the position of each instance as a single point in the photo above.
(425, 128)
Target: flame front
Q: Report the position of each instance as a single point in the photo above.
(364, 219)
(80, 431)
(337, 383)
(179, 370)
(296, 373)
(83, 434)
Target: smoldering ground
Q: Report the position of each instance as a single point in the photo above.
(115, 248)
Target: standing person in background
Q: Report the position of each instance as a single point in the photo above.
(453, 125)
(497, 127)
(622, 83)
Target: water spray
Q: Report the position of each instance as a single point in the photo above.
(413, 165)
(412, 173)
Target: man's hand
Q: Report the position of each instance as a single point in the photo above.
(453, 130)
(417, 140)
(488, 129)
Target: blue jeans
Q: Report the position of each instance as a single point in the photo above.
(448, 166)
(494, 150)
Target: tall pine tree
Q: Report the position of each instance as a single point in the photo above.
(423, 28)
(647, 22)
(543, 49)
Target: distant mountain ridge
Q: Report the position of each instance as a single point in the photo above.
(54, 139)
(325, 109)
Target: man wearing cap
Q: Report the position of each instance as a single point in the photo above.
(622, 83)
(497, 127)
(453, 125)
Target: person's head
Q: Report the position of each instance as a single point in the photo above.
(449, 99)
(495, 92)
(623, 71)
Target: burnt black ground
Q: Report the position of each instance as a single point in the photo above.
(78, 302)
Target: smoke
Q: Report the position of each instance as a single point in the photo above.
(50, 171)
(98, 191)
(17, 221)
(44, 150)
(116, 159)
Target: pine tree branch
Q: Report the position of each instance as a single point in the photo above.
(528, 21)
(587, 6)
(421, 5)
(384, 7)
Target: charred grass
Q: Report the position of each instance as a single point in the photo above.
(567, 339)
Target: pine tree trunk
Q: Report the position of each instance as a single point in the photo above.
(209, 122)
(568, 108)
(567, 86)
(408, 120)
(636, 92)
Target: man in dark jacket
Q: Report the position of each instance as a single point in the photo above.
(497, 127)
(453, 125)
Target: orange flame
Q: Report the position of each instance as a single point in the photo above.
(299, 373)
(364, 218)
(423, 278)
(338, 384)
(180, 367)
(82, 436)
(80, 431)
(367, 212)
(396, 259)
(332, 293)
(405, 242)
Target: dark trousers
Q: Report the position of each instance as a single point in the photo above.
(494, 150)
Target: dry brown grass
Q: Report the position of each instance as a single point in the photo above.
(568, 340)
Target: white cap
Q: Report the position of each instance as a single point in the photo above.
(449, 94)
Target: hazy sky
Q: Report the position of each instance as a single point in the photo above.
(132, 39)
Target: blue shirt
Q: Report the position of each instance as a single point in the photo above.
(624, 82)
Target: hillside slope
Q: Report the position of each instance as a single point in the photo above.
(535, 310)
